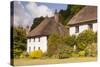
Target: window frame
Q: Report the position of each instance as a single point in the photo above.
(39, 39)
(76, 29)
(90, 26)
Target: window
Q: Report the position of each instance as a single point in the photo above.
(39, 39)
(90, 26)
(38, 48)
(34, 39)
(29, 49)
(34, 48)
(77, 29)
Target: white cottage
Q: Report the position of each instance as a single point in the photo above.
(86, 18)
(38, 37)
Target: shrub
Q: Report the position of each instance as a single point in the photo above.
(17, 53)
(84, 38)
(65, 52)
(45, 56)
(22, 55)
(26, 54)
(36, 54)
(81, 46)
(64, 55)
(75, 54)
(91, 50)
(95, 37)
(81, 53)
(70, 40)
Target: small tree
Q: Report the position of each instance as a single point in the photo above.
(54, 43)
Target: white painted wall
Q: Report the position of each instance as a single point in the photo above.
(81, 28)
(95, 27)
(42, 44)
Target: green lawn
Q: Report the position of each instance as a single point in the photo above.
(27, 61)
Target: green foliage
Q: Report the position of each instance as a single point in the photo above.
(66, 15)
(22, 55)
(36, 22)
(60, 46)
(95, 37)
(85, 38)
(54, 43)
(91, 50)
(81, 53)
(70, 40)
(16, 53)
(36, 54)
(75, 54)
(65, 52)
(19, 41)
(63, 46)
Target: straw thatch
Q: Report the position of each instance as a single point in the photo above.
(47, 27)
(88, 13)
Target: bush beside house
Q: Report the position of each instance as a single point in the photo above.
(63, 47)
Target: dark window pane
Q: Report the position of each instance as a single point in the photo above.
(90, 26)
(77, 29)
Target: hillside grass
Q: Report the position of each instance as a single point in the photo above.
(27, 61)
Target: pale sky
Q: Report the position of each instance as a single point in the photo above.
(25, 11)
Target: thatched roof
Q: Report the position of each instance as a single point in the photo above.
(46, 27)
(88, 13)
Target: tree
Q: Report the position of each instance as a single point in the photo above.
(66, 15)
(19, 41)
(36, 22)
(60, 46)
(54, 43)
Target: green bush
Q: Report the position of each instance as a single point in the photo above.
(81, 46)
(95, 37)
(17, 53)
(65, 55)
(81, 53)
(75, 54)
(65, 52)
(22, 55)
(36, 54)
(70, 40)
(84, 38)
(45, 56)
(91, 50)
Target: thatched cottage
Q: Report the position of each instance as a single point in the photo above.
(38, 37)
(86, 18)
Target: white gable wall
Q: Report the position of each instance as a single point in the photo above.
(81, 28)
(36, 44)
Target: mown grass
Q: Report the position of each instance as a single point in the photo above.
(27, 61)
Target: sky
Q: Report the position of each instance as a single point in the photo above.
(24, 11)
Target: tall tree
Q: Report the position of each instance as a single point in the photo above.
(36, 22)
(19, 41)
(66, 15)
